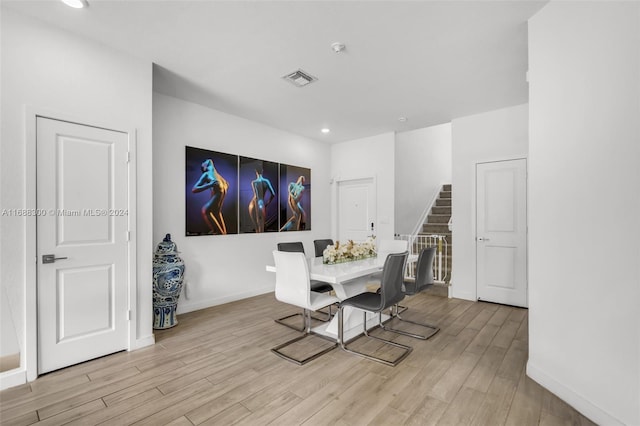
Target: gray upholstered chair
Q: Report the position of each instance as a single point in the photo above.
(317, 286)
(386, 247)
(293, 286)
(390, 294)
(291, 247)
(423, 280)
(320, 245)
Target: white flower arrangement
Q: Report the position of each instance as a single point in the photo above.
(339, 253)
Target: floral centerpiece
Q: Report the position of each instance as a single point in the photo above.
(339, 253)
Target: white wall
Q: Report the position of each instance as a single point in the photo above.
(223, 268)
(422, 164)
(362, 158)
(490, 136)
(584, 216)
(49, 69)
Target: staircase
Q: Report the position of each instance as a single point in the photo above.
(438, 223)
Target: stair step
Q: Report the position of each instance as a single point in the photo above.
(445, 194)
(446, 187)
(447, 234)
(439, 290)
(435, 228)
(438, 218)
(441, 210)
(443, 202)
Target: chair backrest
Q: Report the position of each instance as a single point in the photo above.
(392, 279)
(424, 268)
(292, 278)
(292, 247)
(320, 245)
(392, 246)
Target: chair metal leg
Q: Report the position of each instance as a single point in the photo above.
(434, 328)
(307, 332)
(329, 315)
(406, 352)
(281, 320)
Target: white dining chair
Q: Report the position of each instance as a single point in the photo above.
(293, 286)
(317, 286)
(392, 246)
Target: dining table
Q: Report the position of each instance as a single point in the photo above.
(347, 279)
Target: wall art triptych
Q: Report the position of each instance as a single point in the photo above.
(231, 194)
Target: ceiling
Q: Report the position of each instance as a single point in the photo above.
(428, 61)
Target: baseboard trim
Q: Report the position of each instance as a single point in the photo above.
(592, 412)
(9, 362)
(12, 378)
(465, 295)
(188, 306)
(143, 342)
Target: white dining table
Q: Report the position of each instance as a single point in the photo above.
(347, 280)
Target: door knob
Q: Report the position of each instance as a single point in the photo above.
(482, 239)
(50, 258)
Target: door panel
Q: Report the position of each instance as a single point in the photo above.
(504, 276)
(85, 297)
(356, 209)
(85, 171)
(501, 240)
(82, 190)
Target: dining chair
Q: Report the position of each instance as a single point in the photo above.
(320, 245)
(390, 294)
(316, 285)
(423, 281)
(292, 246)
(392, 246)
(293, 286)
(386, 247)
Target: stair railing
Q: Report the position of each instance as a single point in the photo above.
(440, 263)
(427, 209)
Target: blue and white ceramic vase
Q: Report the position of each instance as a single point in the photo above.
(168, 274)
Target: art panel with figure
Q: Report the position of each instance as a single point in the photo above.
(258, 196)
(211, 189)
(295, 198)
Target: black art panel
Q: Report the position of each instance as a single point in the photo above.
(295, 198)
(258, 196)
(211, 188)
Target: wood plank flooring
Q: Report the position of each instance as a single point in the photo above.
(215, 368)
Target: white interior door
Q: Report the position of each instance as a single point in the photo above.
(501, 232)
(356, 209)
(82, 190)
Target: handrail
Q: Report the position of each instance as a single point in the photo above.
(427, 209)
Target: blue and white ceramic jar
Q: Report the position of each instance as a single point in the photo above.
(168, 275)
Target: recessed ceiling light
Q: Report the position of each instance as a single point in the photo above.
(325, 130)
(76, 4)
(402, 119)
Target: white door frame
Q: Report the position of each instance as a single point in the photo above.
(29, 356)
(475, 218)
(334, 197)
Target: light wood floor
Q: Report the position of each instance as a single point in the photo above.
(215, 367)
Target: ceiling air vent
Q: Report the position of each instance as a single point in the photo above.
(300, 78)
